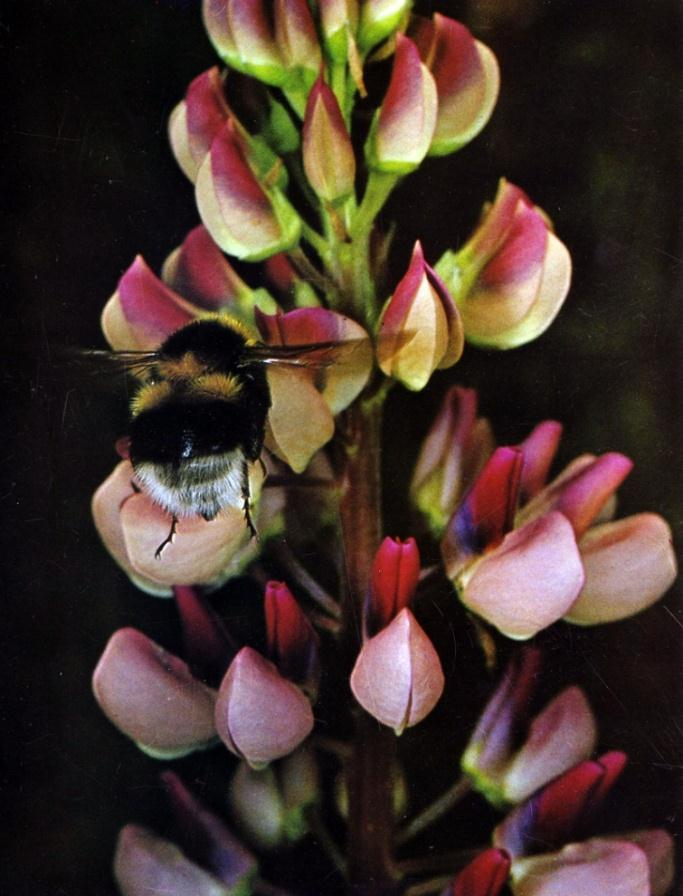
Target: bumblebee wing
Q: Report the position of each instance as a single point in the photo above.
(137, 363)
(313, 355)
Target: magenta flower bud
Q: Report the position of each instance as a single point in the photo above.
(486, 513)
(206, 839)
(132, 527)
(393, 580)
(539, 450)
(270, 805)
(529, 581)
(241, 33)
(379, 19)
(145, 863)
(338, 23)
(329, 161)
(397, 677)
(293, 644)
(581, 491)
(260, 715)
(419, 330)
(151, 696)
(484, 876)
(506, 762)
(452, 454)
(297, 43)
(403, 127)
(595, 866)
(629, 564)
(512, 277)
(244, 217)
(562, 809)
(197, 119)
(208, 646)
(301, 417)
(467, 80)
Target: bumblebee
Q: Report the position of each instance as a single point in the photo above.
(198, 417)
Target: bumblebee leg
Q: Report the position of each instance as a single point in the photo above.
(168, 540)
(246, 506)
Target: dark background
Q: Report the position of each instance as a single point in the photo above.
(588, 122)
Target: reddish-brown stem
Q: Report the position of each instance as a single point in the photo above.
(371, 767)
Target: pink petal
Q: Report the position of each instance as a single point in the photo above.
(629, 565)
(539, 450)
(595, 867)
(143, 312)
(328, 156)
(397, 677)
(199, 270)
(206, 836)
(200, 552)
(407, 117)
(151, 696)
(145, 864)
(496, 223)
(658, 847)
(346, 369)
(582, 490)
(530, 580)
(260, 715)
(563, 734)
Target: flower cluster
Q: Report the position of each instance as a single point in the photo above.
(255, 441)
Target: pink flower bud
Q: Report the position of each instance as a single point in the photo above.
(484, 876)
(132, 527)
(529, 581)
(301, 418)
(260, 715)
(200, 272)
(562, 808)
(379, 19)
(452, 454)
(338, 22)
(329, 161)
(270, 804)
(394, 577)
(206, 838)
(561, 735)
(397, 677)
(467, 80)
(245, 218)
(510, 280)
(145, 863)
(487, 511)
(581, 491)
(292, 640)
(297, 43)
(150, 696)
(207, 645)
(629, 564)
(197, 119)
(403, 127)
(420, 329)
(242, 35)
(596, 866)
(539, 450)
